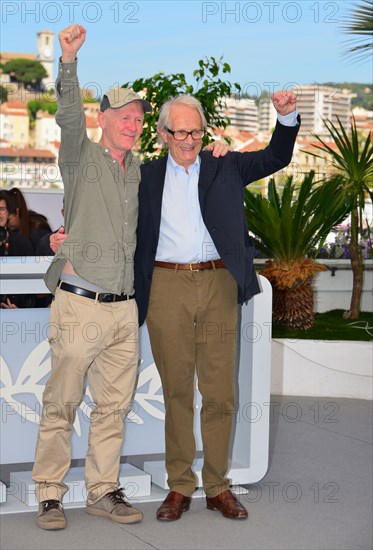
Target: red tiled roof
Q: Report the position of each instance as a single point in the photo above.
(313, 145)
(14, 109)
(253, 145)
(14, 113)
(245, 136)
(15, 105)
(26, 152)
(5, 56)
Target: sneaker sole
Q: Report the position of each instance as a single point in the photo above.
(51, 525)
(116, 519)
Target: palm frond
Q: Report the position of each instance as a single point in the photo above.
(359, 24)
(352, 158)
(288, 228)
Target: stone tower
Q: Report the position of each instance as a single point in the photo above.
(45, 54)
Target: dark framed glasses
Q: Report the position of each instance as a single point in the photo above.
(181, 135)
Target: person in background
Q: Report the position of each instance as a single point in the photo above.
(13, 244)
(27, 222)
(43, 247)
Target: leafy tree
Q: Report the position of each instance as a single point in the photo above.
(3, 94)
(287, 229)
(354, 159)
(210, 91)
(26, 71)
(91, 100)
(359, 24)
(36, 105)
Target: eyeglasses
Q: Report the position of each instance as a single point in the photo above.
(3, 209)
(181, 135)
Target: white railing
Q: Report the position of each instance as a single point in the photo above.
(25, 365)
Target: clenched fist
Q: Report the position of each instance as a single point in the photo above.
(71, 39)
(284, 101)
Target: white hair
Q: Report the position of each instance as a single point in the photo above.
(165, 112)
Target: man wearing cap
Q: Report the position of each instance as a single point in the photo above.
(94, 319)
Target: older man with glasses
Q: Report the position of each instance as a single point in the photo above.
(193, 263)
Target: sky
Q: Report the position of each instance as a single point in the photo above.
(269, 44)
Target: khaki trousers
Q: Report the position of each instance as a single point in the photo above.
(192, 323)
(99, 340)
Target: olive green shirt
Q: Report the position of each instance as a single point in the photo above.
(100, 199)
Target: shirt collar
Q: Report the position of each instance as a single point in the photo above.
(106, 152)
(171, 163)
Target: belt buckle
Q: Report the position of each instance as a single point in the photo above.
(103, 297)
(194, 270)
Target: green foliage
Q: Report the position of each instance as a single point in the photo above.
(41, 105)
(25, 70)
(289, 227)
(90, 100)
(210, 91)
(363, 98)
(3, 94)
(359, 24)
(353, 158)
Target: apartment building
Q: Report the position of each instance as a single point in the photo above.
(46, 130)
(316, 102)
(243, 114)
(93, 128)
(14, 123)
(363, 119)
(267, 115)
(26, 167)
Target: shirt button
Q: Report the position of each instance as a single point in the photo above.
(125, 223)
(126, 201)
(106, 150)
(68, 71)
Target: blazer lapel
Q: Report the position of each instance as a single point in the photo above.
(209, 165)
(155, 188)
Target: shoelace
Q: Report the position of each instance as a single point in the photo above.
(50, 505)
(118, 497)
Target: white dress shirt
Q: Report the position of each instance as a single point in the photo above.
(183, 236)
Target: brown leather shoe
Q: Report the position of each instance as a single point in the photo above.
(228, 505)
(173, 506)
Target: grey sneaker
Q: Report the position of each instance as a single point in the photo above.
(51, 515)
(114, 506)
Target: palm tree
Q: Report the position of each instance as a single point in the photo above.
(359, 23)
(287, 229)
(355, 163)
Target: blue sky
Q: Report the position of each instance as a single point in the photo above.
(264, 41)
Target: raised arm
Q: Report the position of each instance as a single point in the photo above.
(70, 115)
(260, 164)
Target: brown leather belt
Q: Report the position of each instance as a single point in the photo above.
(198, 266)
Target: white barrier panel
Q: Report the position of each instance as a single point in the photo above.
(25, 367)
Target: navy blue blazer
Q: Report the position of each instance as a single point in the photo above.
(220, 188)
